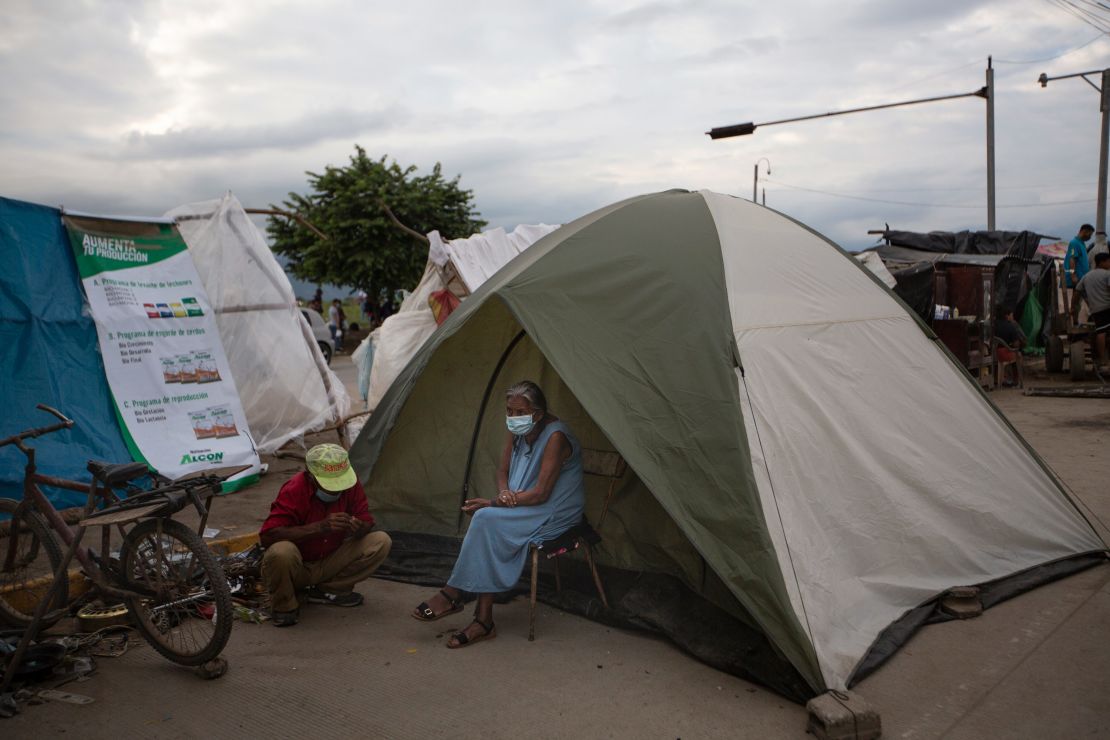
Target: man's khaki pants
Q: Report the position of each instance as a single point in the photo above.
(284, 571)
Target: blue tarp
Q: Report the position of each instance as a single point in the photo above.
(49, 354)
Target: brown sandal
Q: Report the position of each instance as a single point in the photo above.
(424, 612)
(461, 639)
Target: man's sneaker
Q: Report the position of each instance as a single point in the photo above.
(285, 619)
(317, 596)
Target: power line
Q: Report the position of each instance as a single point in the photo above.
(1084, 45)
(950, 189)
(1089, 18)
(1096, 8)
(926, 205)
(1083, 14)
(1092, 10)
(933, 76)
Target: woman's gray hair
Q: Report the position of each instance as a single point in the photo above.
(530, 392)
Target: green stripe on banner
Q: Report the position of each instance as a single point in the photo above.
(231, 486)
(136, 453)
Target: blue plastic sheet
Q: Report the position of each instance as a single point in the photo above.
(49, 354)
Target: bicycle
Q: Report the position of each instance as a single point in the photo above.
(175, 590)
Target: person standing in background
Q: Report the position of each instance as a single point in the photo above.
(1076, 263)
(335, 323)
(1094, 288)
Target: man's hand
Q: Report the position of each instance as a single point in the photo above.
(340, 521)
(471, 505)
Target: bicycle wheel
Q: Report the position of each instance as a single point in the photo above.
(186, 612)
(27, 569)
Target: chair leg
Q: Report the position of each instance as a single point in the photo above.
(593, 569)
(558, 576)
(532, 600)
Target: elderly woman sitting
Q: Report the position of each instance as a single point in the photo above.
(540, 494)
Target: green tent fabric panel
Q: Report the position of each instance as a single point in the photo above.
(634, 316)
(638, 534)
(415, 487)
(431, 436)
(367, 448)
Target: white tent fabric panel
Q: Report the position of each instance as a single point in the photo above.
(477, 257)
(284, 384)
(894, 477)
(401, 335)
(771, 515)
(874, 263)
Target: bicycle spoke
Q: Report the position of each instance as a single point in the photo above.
(29, 555)
(180, 615)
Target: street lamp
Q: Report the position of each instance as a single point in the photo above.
(986, 92)
(1104, 106)
(755, 178)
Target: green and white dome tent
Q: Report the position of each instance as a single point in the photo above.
(802, 454)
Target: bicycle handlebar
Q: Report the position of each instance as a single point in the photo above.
(15, 439)
(65, 420)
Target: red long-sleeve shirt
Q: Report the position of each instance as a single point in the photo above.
(296, 505)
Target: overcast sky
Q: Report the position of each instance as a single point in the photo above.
(550, 110)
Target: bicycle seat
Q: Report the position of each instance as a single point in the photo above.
(116, 474)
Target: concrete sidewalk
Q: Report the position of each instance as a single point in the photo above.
(1037, 666)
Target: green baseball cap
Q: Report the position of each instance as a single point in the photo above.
(331, 467)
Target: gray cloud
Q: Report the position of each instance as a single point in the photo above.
(650, 13)
(549, 111)
(744, 49)
(206, 141)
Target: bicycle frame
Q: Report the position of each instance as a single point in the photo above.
(34, 498)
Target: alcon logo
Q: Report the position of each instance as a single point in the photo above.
(209, 457)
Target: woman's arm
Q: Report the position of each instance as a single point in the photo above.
(554, 455)
(503, 467)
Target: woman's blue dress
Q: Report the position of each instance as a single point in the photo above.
(495, 548)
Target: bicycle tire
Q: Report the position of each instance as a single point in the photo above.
(27, 582)
(165, 557)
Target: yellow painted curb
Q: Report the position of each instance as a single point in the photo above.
(79, 583)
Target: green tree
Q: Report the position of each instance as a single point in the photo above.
(374, 214)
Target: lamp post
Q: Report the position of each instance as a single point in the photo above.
(1104, 107)
(755, 179)
(986, 92)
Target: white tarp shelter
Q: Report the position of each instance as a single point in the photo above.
(285, 385)
(472, 261)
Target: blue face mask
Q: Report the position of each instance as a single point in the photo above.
(326, 497)
(520, 425)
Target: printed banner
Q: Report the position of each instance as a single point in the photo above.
(171, 383)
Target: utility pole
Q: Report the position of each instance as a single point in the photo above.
(986, 92)
(1104, 138)
(990, 145)
(1100, 216)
